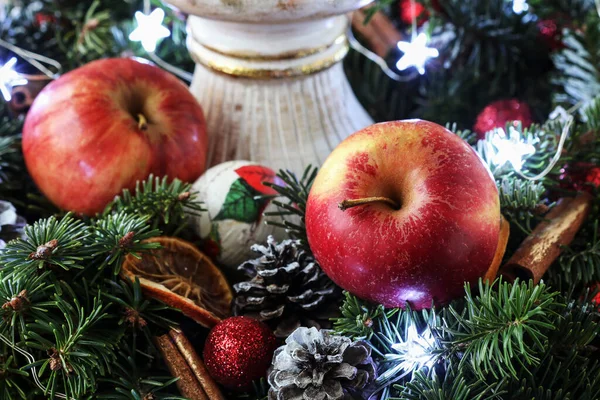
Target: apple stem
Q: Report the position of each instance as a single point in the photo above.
(346, 204)
(142, 122)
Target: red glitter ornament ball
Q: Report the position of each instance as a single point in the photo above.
(410, 10)
(551, 34)
(580, 176)
(498, 113)
(238, 351)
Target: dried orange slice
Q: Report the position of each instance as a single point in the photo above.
(181, 276)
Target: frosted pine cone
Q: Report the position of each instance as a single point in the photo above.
(287, 288)
(317, 364)
(11, 224)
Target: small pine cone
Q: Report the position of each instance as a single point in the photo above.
(317, 364)
(287, 288)
(11, 224)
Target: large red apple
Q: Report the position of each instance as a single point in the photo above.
(433, 224)
(100, 128)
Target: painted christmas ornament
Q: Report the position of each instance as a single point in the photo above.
(234, 220)
(238, 351)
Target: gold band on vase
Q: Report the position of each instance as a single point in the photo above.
(311, 67)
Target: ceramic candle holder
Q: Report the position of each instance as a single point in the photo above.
(269, 78)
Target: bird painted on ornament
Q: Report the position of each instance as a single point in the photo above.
(235, 198)
(404, 212)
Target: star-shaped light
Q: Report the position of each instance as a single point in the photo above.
(512, 148)
(9, 78)
(519, 6)
(150, 29)
(416, 54)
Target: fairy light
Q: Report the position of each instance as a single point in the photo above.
(511, 148)
(9, 78)
(520, 6)
(409, 355)
(150, 29)
(416, 53)
(416, 350)
(32, 360)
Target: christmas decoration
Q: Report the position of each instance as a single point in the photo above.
(317, 364)
(149, 30)
(498, 113)
(79, 330)
(22, 95)
(180, 356)
(9, 77)
(287, 286)
(411, 10)
(179, 275)
(291, 122)
(551, 33)
(535, 255)
(416, 53)
(418, 215)
(81, 156)
(238, 351)
(11, 224)
(235, 197)
(580, 176)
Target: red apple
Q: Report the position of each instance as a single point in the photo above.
(438, 228)
(104, 126)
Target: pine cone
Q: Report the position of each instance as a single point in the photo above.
(319, 365)
(11, 224)
(287, 288)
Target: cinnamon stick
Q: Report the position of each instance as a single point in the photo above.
(196, 365)
(188, 385)
(386, 29)
(380, 33)
(539, 250)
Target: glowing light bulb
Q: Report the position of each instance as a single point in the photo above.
(416, 54)
(520, 6)
(416, 350)
(512, 148)
(9, 78)
(150, 29)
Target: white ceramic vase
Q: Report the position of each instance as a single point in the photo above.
(270, 80)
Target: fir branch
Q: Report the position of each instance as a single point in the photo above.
(357, 318)
(260, 391)
(10, 384)
(557, 378)
(505, 328)
(78, 351)
(23, 299)
(164, 203)
(465, 134)
(591, 115)
(378, 6)
(130, 385)
(136, 310)
(579, 265)
(295, 192)
(49, 242)
(451, 387)
(117, 235)
(577, 64)
(92, 36)
(543, 140)
(521, 202)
